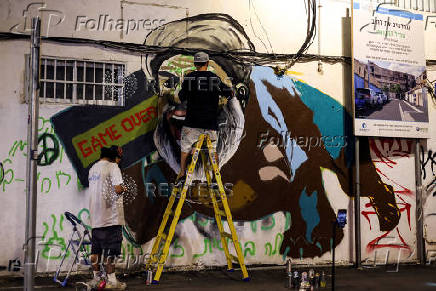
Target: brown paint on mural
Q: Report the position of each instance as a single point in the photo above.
(260, 176)
(254, 197)
(242, 195)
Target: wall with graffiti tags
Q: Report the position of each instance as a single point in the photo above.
(427, 158)
(285, 142)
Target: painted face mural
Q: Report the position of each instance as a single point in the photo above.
(171, 114)
(278, 141)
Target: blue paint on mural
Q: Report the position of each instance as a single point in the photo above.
(330, 117)
(309, 212)
(296, 156)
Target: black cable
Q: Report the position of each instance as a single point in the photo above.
(245, 57)
(311, 23)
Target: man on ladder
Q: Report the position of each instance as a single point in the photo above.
(201, 89)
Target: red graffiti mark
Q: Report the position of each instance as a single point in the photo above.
(385, 149)
(367, 213)
(381, 158)
(374, 244)
(389, 147)
(404, 191)
(406, 207)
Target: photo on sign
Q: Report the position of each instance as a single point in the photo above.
(390, 91)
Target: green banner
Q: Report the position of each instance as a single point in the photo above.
(119, 130)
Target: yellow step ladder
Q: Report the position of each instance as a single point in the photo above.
(162, 243)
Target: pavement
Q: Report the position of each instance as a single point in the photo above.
(409, 277)
(396, 109)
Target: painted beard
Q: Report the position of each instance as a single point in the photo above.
(230, 132)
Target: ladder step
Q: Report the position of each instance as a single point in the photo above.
(153, 259)
(225, 234)
(222, 213)
(163, 236)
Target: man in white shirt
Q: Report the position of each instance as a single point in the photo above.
(106, 188)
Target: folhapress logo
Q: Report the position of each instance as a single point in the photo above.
(106, 23)
(50, 17)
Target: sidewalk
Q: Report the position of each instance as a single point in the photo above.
(409, 277)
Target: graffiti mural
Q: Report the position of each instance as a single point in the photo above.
(388, 155)
(275, 140)
(50, 154)
(427, 158)
(428, 170)
(96, 126)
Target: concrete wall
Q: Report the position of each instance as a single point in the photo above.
(283, 205)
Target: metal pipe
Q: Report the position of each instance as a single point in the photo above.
(333, 256)
(319, 36)
(419, 211)
(357, 206)
(32, 156)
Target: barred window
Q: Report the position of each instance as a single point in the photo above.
(75, 81)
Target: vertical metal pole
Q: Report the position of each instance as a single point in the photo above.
(357, 205)
(333, 256)
(419, 211)
(32, 155)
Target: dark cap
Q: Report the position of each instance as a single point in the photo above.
(201, 57)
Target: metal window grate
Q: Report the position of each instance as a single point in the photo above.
(73, 81)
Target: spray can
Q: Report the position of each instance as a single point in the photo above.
(288, 267)
(312, 277)
(101, 285)
(304, 281)
(296, 279)
(289, 272)
(316, 280)
(149, 277)
(322, 280)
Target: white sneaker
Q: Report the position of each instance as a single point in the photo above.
(115, 285)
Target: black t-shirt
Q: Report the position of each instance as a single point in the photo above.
(202, 89)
